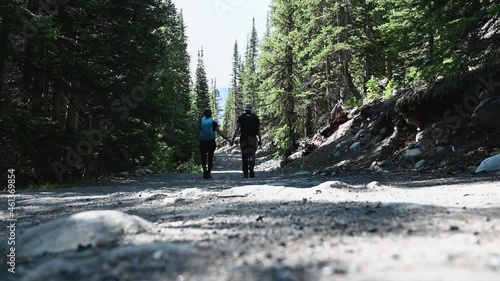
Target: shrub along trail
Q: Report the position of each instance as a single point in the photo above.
(273, 227)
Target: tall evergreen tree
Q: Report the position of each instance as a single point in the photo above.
(201, 86)
(235, 87)
(279, 87)
(183, 65)
(228, 115)
(214, 99)
(249, 75)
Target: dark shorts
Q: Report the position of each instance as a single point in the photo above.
(248, 145)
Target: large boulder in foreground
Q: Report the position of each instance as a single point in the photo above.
(487, 115)
(157, 261)
(87, 229)
(491, 164)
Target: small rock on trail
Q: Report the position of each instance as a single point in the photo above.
(491, 164)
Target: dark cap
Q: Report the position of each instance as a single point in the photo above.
(207, 113)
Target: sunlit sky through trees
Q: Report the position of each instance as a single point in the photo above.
(216, 24)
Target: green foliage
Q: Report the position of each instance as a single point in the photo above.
(215, 100)
(49, 186)
(439, 38)
(201, 87)
(279, 89)
(318, 53)
(21, 137)
(191, 166)
(117, 69)
(84, 62)
(234, 102)
(163, 158)
(352, 103)
(374, 89)
(249, 78)
(229, 117)
(389, 89)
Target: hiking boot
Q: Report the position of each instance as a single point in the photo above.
(252, 174)
(245, 176)
(206, 175)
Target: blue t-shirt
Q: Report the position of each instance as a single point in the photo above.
(206, 133)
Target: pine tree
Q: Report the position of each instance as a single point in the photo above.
(201, 86)
(228, 115)
(268, 26)
(178, 103)
(183, 65)
(278, 88)
(249, 73)
(214, 99)
(440, 38)
(236, 86)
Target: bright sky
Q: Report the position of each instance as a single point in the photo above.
(216, 24)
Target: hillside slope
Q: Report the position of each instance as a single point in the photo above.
(450, 127)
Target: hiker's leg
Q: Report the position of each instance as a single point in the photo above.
(244, 158)
(203, 154)
(251, 150)
(251, 164)
(211, 149)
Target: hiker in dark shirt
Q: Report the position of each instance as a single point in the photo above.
(208, 127)
(248, 126)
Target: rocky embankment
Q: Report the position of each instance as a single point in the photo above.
(449, 127)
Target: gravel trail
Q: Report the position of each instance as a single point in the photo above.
(274, 227)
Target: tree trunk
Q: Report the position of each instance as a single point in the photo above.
(309, 127)
(4, 31)
(289, 90)
(28, 72)
(73, 114)
(47, 78)
(431, 47)
(57, 107)
(38, 82)
(389, 67)
(368, 52)
(345, 57)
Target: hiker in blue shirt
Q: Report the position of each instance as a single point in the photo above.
(207, 142)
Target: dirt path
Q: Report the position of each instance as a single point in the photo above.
(405, 227)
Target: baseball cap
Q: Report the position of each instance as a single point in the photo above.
(248, 107)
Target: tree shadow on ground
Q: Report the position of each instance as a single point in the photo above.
(334, 219)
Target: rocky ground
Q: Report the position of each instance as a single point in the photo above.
(380, 226)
